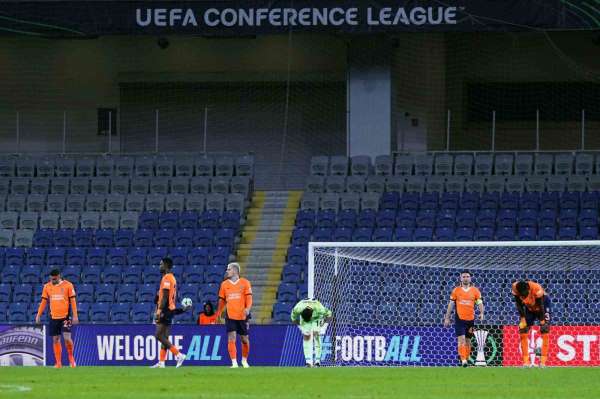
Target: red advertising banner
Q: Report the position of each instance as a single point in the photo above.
(569, 346)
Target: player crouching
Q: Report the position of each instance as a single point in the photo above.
(309, 315)
(532, 304)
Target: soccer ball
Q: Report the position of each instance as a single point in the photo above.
(186, 302)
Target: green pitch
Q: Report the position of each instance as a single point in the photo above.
(283, 383)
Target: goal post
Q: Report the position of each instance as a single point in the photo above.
(389, 298)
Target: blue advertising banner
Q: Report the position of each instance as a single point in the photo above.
(239, 18)
(22, 345)
(271, 345)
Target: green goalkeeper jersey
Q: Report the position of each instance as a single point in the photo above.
(320, 312)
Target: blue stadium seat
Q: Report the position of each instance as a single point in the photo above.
(469, 201)
(549, 200)
(120, 312)
(588, 217)
(112, 274)
(466, 218)
(99, 312)
(509, 201)
(104, 238)
(386, 218)
(209, 292)
(214, 273)
(31, 274)
(231, 220)
(569, 200)
(149, 221)
(446, 218)
(464, 234)
(155, 255)
(10, 274)
(489, 201)
(444, 234)
(305, 218)
(219, 255)
(124, 238)
(56, 256)
(137, 257)
(75, 256)
(301, 236)
(362, 234)
(568, 217)
(210, 219)
(198, 256)
(341, 234)
(83, 311)
(589, 233)
(63, 238)
(18, 312)
(429, 201)
(22, 293)
(406, 218)
(96, 257)
(528, 218)
(184, 237)
(179, 256)
(547, 233)
(15, 256)
(320, 234)
(450, 201)
(529, 200)
(347, 218)
(83, 238)
(3, 312)
(403, 234)
(326, 218)
(383, 234)
(527, 233)
(486, 218)
(366, 218)
(43, 238)
(125, 293)
(288, 292)
(282, 310)
(117, 256)
(5, 292)
(188, 220)
(409, 201)
(105, 293)
(85, 292)
(142, 312)
(423, 234)
(143, 238)
(567, 233)
(589, 200)
(151, 275)
(225, 238)
(426, 218)
(547, 218)
(132, 274)
(291, 273)
(193, 274)
(203, 237)
(507, 218)
(36, 256)
(164, 238)
(91, 275)
(146, 292)
(168, 220)
(484, 234)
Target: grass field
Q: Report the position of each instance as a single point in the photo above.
(271, 382)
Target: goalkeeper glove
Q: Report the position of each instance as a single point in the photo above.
(522, 323)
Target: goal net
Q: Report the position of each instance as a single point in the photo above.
(389, 299)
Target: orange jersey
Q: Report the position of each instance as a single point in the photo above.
(465, 300)
(168, 283)
(59, 297)
(237, 297)
(204, 319)
(535, 292)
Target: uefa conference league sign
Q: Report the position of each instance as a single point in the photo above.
(238, 17)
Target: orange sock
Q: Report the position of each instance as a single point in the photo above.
(467, 351)
(232, 350)
(545, 347)
(174, 350)
(162, 355)
(525, 348)
(245, 350)
(57, 353)
(69, 345)
(461, 352)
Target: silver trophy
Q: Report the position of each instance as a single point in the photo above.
(481, 338)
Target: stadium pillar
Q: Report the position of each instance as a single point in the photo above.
(369, 105)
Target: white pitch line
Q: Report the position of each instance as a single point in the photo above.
(14, 388)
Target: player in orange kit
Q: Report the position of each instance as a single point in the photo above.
(464, 297)
(235, 295)
(165, 310)
(61, 295)
(532, 303)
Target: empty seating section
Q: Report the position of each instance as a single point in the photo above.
(106, 222)
(442, 197)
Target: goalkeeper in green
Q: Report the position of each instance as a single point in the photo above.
(309, 315)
